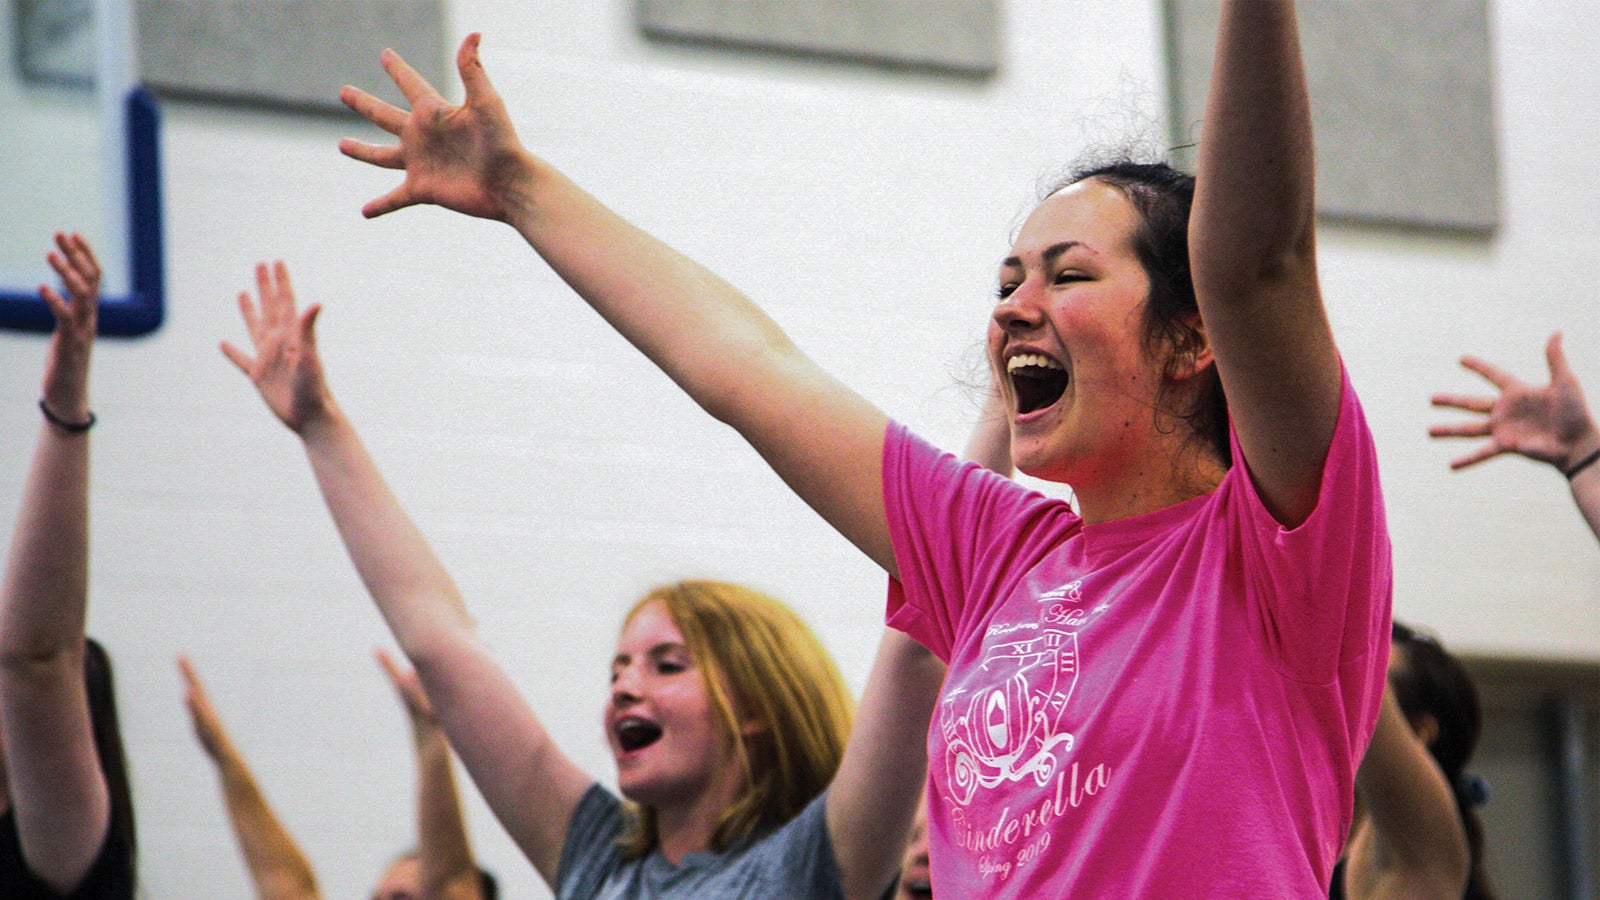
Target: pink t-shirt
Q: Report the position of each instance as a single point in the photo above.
(1168, 706)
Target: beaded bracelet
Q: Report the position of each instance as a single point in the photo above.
(63, 424)
(1582, 464)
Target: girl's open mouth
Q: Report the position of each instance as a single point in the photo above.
(1037, 381)
(636, 734)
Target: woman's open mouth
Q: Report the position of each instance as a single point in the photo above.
(1037, 381)
(636, 734)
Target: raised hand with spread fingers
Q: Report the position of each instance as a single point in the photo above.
(285, 368)
(499, 738)
(1548, 423)
(465, 158)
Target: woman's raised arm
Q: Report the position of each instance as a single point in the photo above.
(875, 794)
(52, 772)
(444, 853)
(1252, 249)
(502, 743)
(717, 345)
(874, 798)
(1415, 846)
(278, 867)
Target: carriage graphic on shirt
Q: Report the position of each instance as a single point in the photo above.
(1012, 730)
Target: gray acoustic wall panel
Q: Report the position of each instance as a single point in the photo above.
(1400, 99)
(291, 52)
(961, 35)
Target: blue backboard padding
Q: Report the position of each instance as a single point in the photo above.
(143, 310)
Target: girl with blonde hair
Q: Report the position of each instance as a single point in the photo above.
(727, 721)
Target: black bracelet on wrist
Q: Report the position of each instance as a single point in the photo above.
(1581, 464)
(63, 424)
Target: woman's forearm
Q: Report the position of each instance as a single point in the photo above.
(44, 605)
(412, 590)
(444, 852)
(277, 865)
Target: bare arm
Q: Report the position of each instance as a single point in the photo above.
(711, 340)
(278, 866)
(502, 743)
(1414, 846)
(989, 444)
(444, 854)
(1253, 253)
(875, 794)
(53, 774)
(1549, 423)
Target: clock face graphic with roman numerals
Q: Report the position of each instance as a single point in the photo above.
(1012, 730)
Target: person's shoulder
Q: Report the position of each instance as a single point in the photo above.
(590, 846)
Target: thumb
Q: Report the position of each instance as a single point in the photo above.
(308, 327)
(474, 78)
(243, 361)
(1556, 358)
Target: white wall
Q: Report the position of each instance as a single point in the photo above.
(559, 475)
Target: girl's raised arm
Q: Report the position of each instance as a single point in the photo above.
(51, 769)
(502, 743)
(444, 853)
(278, 867)
(1252, 248)
(1415, 846)
(820, 437)
(874, 798)
(875, 794)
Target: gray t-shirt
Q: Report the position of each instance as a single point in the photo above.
(794, 861)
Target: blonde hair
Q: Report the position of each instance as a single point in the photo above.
(760, 663)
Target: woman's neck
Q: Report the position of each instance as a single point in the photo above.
(1149, 482)
(682, 832)
(682, 829)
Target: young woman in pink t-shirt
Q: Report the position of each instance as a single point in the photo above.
(1192, 731)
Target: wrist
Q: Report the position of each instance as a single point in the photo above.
(321, 425)
(1583, 453)
(1586, 464)
(67, 396)
(524, 176)
(77, 420)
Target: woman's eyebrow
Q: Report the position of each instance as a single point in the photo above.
(1049, 255)
(659, 650)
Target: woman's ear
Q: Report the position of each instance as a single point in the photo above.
(1426, 727)
(1191, 351)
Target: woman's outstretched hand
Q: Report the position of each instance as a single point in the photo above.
(1549, 423)
(207, 724)
(286, 369)
(409, 688)
(465, 158)
(66, 378)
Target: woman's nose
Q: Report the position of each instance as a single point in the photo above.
(1019, 310)
(625, 685)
